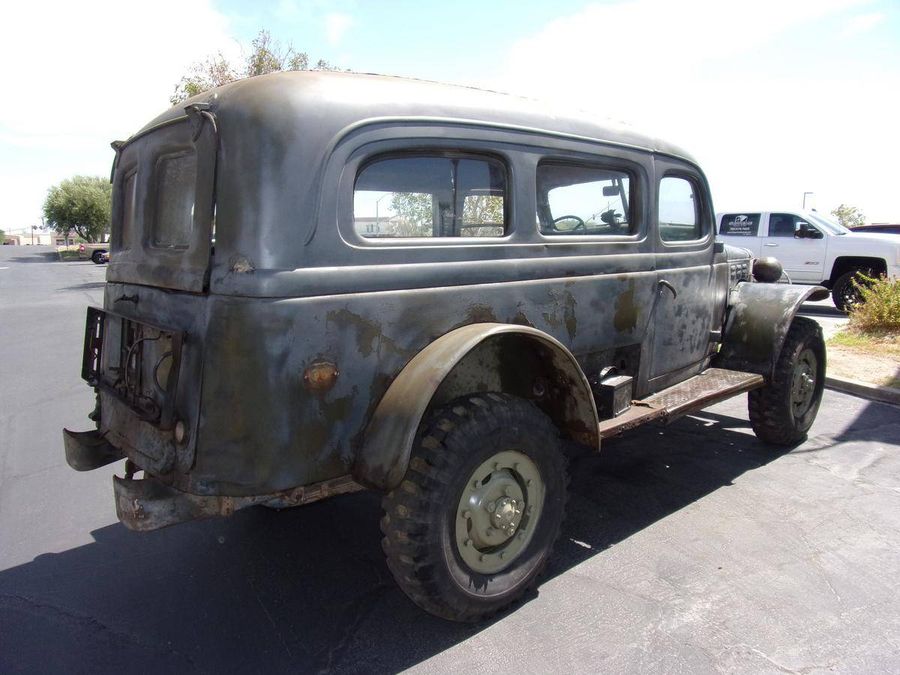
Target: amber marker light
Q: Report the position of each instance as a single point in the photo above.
(320, 376)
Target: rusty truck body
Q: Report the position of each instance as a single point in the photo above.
(327, 282)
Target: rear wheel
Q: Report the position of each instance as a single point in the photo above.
(97, 257)
(472, 525)
(783, 411)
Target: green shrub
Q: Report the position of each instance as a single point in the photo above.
(879, 311)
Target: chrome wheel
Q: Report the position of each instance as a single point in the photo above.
(498, 511)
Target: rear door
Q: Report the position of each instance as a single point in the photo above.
(163, 205)
(741, 229)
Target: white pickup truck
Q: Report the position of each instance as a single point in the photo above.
(812, 248)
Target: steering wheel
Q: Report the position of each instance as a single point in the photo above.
(579, 225)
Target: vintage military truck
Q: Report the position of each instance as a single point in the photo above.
(326, 282)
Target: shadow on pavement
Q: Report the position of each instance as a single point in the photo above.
(37, 257)
(93, 285)
(307, 589)
(822, 310)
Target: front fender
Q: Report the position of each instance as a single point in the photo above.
(759, 317)
(382, 460)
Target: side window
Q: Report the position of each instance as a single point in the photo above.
(781, 225)
(679, 212)
(128, 196)
(789, 225)
(740, 224)
(436, 195)
(582, 200)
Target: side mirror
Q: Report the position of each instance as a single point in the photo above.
(807, 231)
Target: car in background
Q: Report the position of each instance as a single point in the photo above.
(813, 249)
(879, 228)
(93, 251)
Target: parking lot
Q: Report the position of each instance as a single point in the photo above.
(688, 548)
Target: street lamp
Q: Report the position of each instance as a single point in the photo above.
(377, 202)
(804, 198)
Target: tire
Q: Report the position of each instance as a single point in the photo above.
(844, 293)
(437, 522)
(97, 257)
(783, 411)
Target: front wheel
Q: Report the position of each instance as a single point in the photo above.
(845, 293)
(783, 411)
(472, 525)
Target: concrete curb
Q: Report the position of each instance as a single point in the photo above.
(863, 389)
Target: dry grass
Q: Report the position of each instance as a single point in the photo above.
(872, 358)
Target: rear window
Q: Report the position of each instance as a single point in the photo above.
(740, 224)
(431, 196)
(176, 180)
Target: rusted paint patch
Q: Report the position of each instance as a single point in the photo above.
(625, 318)
(569, 315)
(368, 332)
(481, 314)
(241, 265)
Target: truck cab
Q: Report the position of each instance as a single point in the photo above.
(813, 248)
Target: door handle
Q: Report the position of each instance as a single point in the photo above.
(770, 243)
(662, 283)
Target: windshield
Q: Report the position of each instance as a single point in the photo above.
(827, 224)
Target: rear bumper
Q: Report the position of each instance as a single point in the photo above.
(89, 450)
(149, 504)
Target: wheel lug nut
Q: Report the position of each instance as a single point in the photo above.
(528, 483)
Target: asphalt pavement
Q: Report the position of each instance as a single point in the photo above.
(690, 548)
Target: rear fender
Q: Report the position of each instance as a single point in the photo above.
(475, 358)
(759, 317)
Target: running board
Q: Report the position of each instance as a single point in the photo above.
(710, 386)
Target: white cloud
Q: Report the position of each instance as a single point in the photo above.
(79, 75)
(671, 68)
(336, 25)
(862, 24)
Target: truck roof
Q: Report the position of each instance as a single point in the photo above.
(336, 101)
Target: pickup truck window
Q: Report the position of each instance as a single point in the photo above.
(740, 224)
(573, 199)
(434, 196)
(678, 219)
(783, 224)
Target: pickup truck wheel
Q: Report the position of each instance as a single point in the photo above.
(97, 257)
(783, 411)
(845, 293)
(471, 526)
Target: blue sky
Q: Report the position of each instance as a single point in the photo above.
(774, 97)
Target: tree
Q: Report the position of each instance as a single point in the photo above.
(849, 216)
(415, 214)
(82, 204)
(265, 55)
